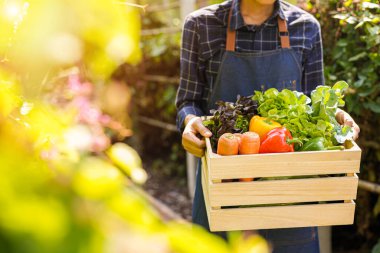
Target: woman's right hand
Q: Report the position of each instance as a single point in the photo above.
(190, 141)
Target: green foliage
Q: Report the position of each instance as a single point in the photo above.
(63, 204)
(40, 36)
(155, 99)
(64, 187)
(355, 56)
(376, 249)
(304, 117)
(231, 117)
(351, 35)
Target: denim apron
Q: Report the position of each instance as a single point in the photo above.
(243, 73)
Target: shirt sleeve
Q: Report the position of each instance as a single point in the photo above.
(313, 74)
(192, 81)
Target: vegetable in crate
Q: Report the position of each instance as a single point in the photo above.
(246, 143)
(278, 140)
(307, 118)
(249, 143)
(317, 144)
(231, 118)
(238, 136)
(262, 125)
(228, 144)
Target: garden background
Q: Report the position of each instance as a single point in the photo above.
(81, 82)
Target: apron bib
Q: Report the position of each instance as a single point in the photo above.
(242, 74)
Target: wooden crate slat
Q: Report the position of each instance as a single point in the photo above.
(283, 164)
(282, 216)
(253, 168)
(208, 153)
(283, 191)
(205, 187)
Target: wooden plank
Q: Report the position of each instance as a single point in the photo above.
(208, 154)
(283, 191)
(205, 183)
(283, 164)
(253, 167)
(282, 216)
(347, 200)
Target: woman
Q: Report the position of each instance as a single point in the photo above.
(237, 47)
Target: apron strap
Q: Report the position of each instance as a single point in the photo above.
(284, 34)
(231, 33)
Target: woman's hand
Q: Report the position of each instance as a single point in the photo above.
(345, 119)
(190, 141)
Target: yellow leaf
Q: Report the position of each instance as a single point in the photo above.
(97, 179)
(128, 160)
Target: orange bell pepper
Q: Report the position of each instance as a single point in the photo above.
(262, 125)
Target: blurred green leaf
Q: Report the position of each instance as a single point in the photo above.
(97, 179)
(376, 248)
(373, 106)
(128, 160)
(357, 57)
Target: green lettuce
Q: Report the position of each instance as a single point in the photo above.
(306, 117)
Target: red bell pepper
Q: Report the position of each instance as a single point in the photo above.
(278, 140)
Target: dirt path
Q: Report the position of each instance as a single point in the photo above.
(172, 191)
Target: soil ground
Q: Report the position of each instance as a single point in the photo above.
(172, 191)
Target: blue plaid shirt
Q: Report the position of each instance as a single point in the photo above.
(204, 41)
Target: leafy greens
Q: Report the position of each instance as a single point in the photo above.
(293, 110)
(231, 117)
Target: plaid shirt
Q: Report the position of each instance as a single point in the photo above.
(204, 41)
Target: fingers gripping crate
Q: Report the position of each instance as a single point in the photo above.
(322, 195)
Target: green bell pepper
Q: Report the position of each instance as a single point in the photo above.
(317, 144)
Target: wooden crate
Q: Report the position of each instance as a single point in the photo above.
(281, 203)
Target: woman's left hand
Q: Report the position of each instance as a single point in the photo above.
(344, 118)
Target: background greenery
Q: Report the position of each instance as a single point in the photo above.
(68, 180)
(351, 33)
